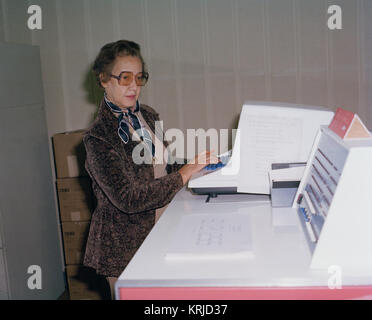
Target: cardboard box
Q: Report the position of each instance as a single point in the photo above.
(75, 197)
(69, 154)
(85, 284)
(75, 235)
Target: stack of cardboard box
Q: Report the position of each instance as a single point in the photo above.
(76, 203)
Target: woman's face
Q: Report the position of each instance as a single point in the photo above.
(123, 96)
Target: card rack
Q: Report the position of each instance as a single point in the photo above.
(333, 201)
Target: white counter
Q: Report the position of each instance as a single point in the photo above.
(281, 256)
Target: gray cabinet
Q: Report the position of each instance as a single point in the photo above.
(28, 221)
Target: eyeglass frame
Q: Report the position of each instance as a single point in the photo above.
(146, 74)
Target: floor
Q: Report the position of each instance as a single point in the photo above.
(102, 293)
(64, 296)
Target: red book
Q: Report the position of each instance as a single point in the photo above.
(348, 125)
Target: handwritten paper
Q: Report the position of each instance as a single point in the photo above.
(211, 236)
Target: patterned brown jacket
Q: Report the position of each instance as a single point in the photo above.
(127, 194)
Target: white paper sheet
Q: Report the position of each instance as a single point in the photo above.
(211, 236)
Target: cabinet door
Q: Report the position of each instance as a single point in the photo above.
(30, 229)
(3, 281)
(29, 219)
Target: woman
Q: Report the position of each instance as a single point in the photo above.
(130, 196)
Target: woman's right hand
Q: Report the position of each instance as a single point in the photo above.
(198, 163)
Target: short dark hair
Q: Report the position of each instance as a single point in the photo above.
(106, 57)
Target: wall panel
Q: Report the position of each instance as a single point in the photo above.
(205, 57)
(220, 63)
(312, 51)
(50, 55)
(250, 43)
(366, 86)
(162, 63)
(75, 62)
(191, 68)
(282, 52)
(345, 58)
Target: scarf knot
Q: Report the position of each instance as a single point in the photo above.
(130, 118)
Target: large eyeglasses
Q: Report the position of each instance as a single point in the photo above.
(125, 78)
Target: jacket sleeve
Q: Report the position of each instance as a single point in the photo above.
(122, 186)
(175, 166)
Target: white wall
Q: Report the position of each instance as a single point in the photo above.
(205, 57)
